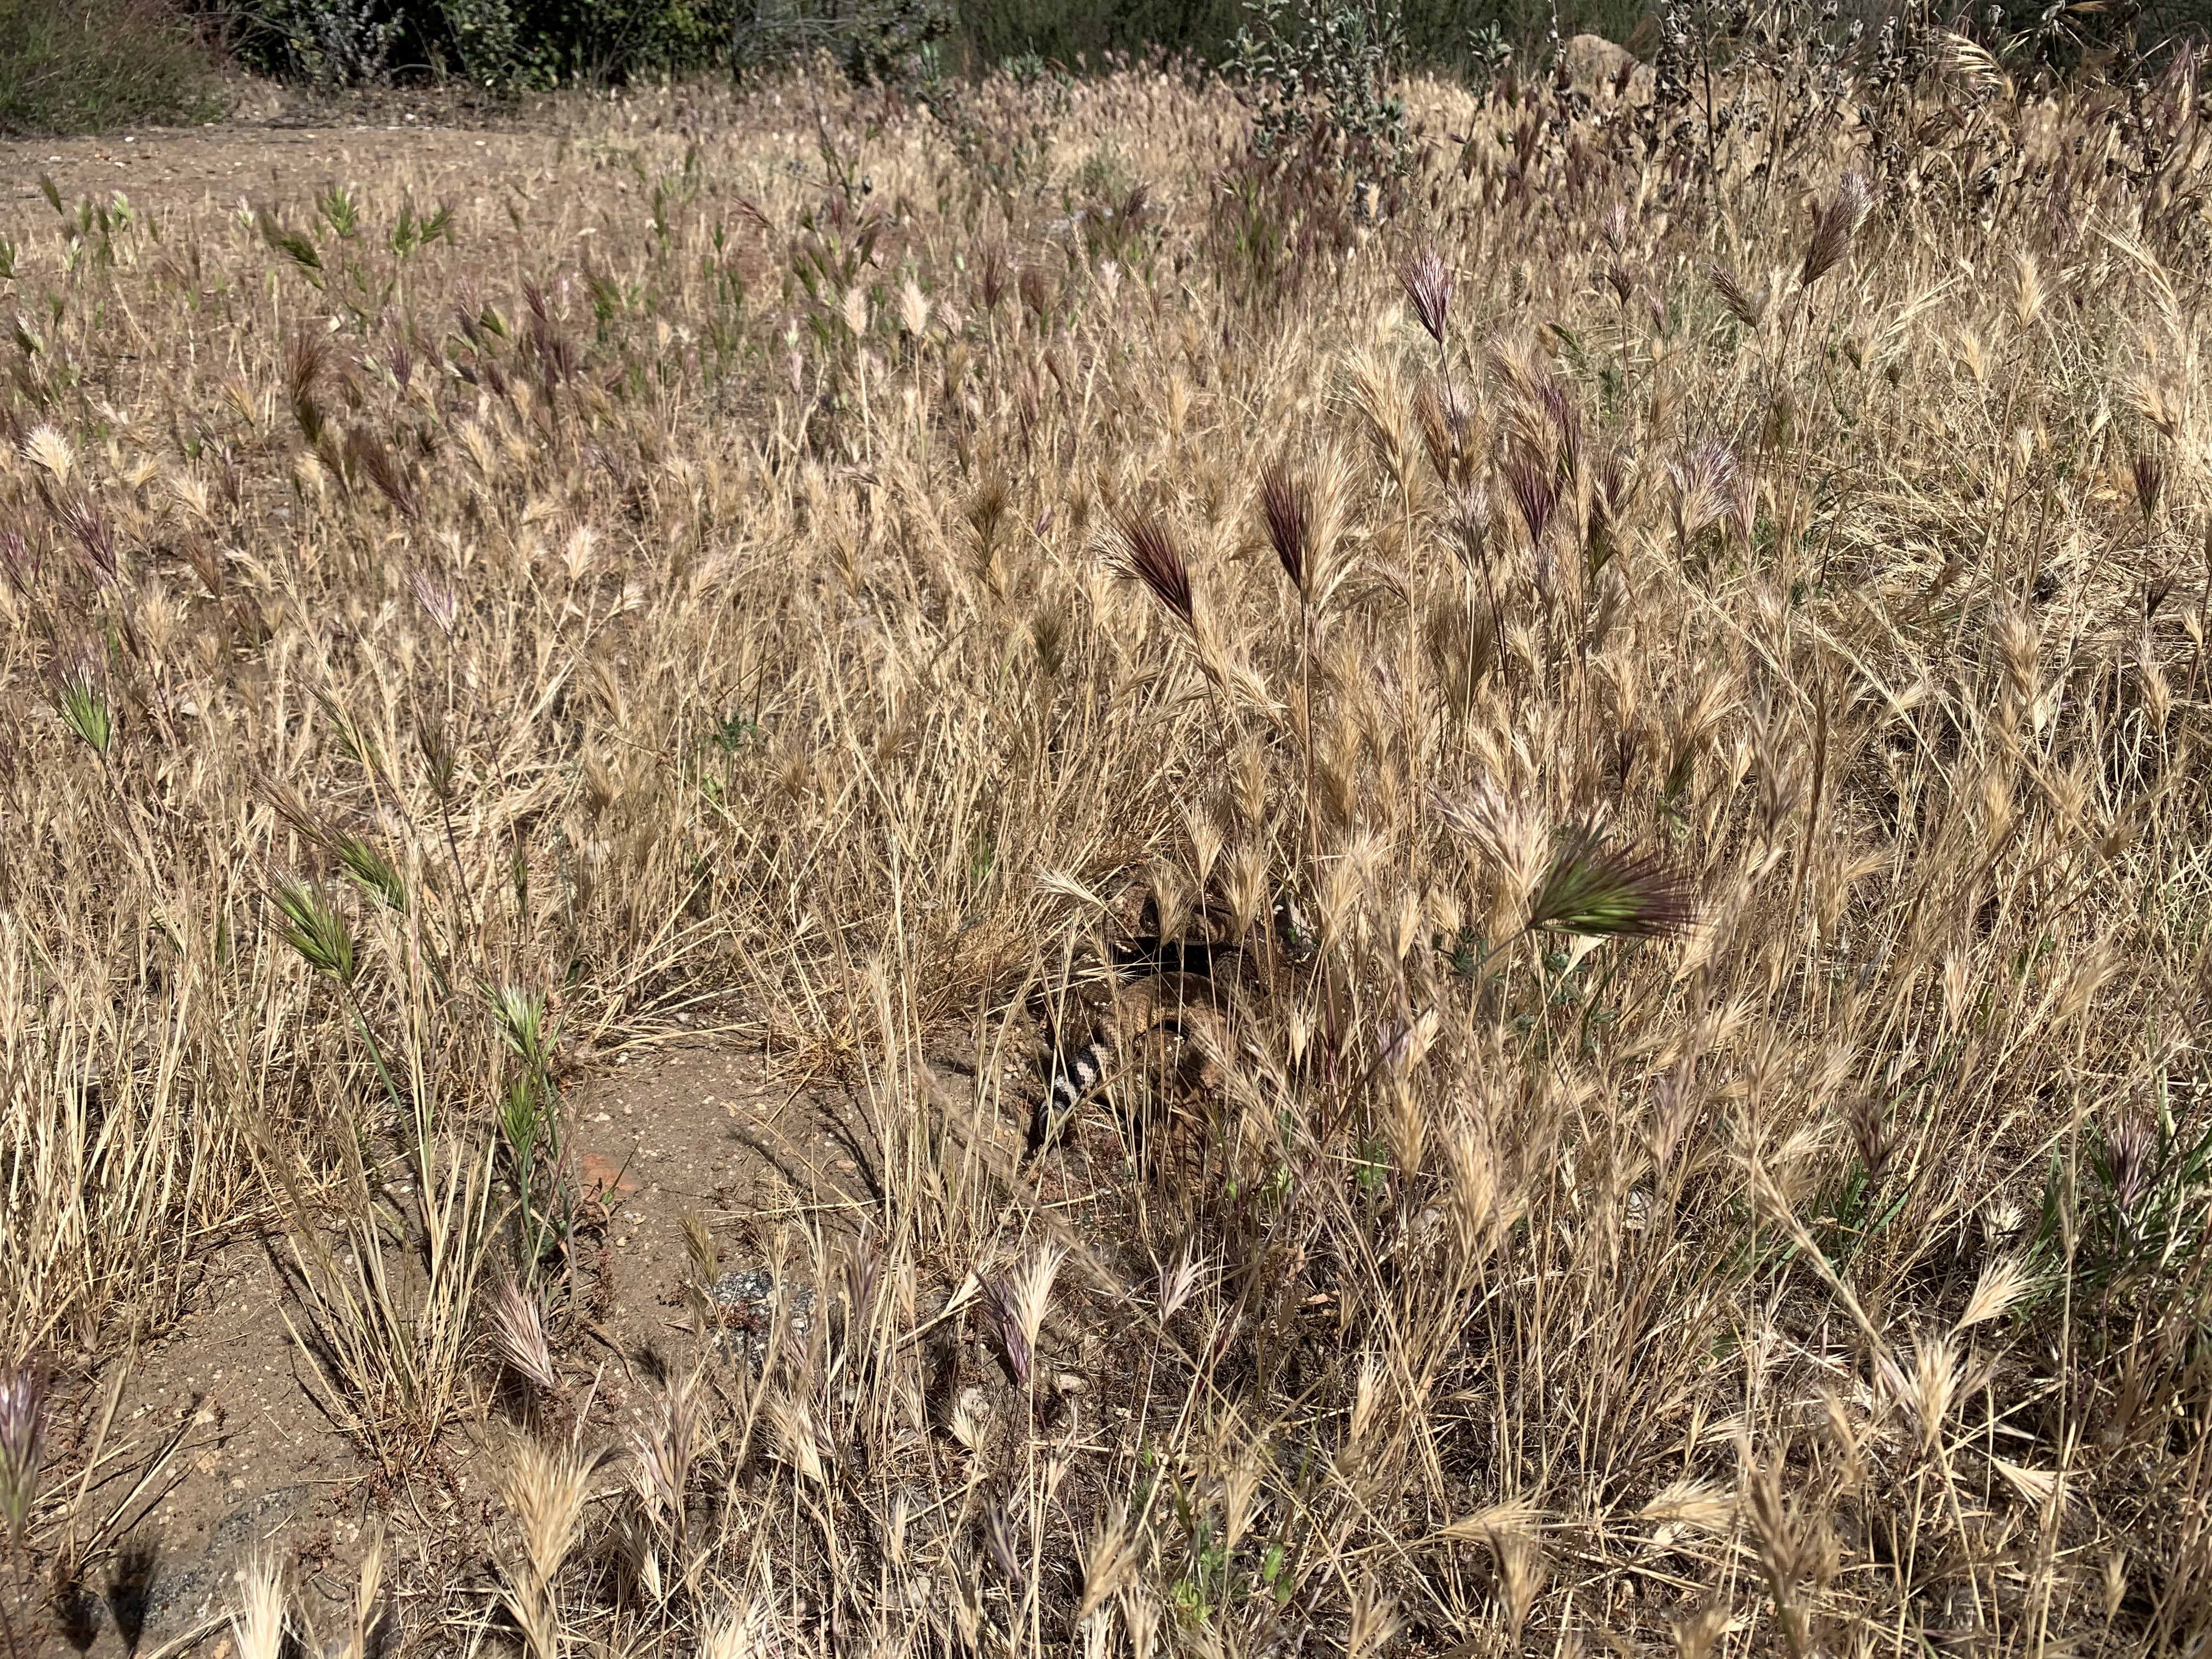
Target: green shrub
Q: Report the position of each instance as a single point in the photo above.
(1325, 66)
(991, 32)
(1445, 31)
(329, 42)
(542, 43)
(87, 65)
(517, 43)
(505, 44)
(1437, 34)
(887, 41)
(559, 41)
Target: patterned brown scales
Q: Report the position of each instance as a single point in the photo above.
(1173, 1012)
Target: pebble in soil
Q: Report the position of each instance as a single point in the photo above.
(747, 1299)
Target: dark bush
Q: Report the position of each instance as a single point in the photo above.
(542, 43)
(872, 39)
(2177, 20)
(1063, 31)
(505, 43)
(515, 45)
(88, 65)
(1434, 34)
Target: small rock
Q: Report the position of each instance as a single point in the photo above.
(748, 1296)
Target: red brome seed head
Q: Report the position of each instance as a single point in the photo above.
(1288, 509)
(1428, 285)
(1150, 556)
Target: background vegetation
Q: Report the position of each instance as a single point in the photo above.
(1667, 626)
(87, 65)
(70, 65)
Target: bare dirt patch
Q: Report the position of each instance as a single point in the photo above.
(217, 1449)
(166, 169)
(281, 142)
(213, 1450)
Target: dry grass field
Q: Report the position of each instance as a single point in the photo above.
(566, 722)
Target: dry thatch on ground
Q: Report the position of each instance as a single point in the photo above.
(1688, 648)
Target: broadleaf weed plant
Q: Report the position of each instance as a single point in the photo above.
(1324, 70)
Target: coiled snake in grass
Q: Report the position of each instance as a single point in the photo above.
(1174, 1011)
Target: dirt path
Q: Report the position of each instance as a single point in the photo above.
(169, 168)
(224, 1445)
(280, 144)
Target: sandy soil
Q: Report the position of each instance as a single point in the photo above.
(280, 144)
(220, 1446)
(165, 169)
